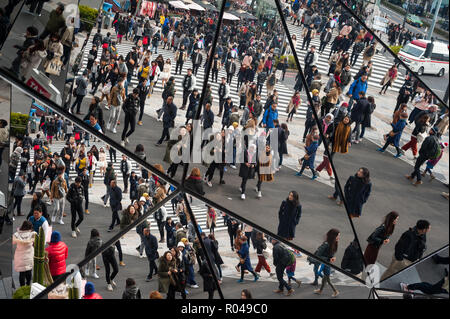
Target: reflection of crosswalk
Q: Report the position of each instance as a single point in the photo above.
(284, 93)
(380, 63)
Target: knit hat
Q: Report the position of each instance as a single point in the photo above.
(345, 104)
(19, 150)
(142, 199)
(180, 244)
(56, 237)
(235, 124)
(315, 91)
(89, 289)
(145, 195)
(184, 240)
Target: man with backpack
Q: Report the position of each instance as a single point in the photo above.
(282, 258)
(430, 149)
(358, 86)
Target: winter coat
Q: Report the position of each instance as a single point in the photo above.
(264, 169)
(411, 245)
(356, 87)
(311, 151)
(244, 170)
(282, 140)
(151, 246)
(92, 245)
(127, 219)
(288, 217)
(245, 254)
(132, 292)
(19, 187)
(24, 253)
(195, 184)
(164, 277)
(360, 110)
(208, 280)
(57, 255)
(398, 130)
(377, 238)
(115, 198)
(356, 194)
(269, 116)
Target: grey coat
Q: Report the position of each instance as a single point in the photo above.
(19, 187)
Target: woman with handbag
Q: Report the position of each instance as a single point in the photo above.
(420, 103)
(293, 105)
(421, 124)
(393, 137)
(55, 51)
(380, 237)
(388, 79)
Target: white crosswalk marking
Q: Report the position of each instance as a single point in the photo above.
(379, 68)
(284, 93)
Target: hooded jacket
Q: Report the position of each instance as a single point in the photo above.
(24, 253)
(57, 255)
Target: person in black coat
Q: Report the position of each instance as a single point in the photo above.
(151, 250)
(38, 202)
(357, 191)
(170, 113)
(247, 169)
(352, 260)
(194, 181)
(209, 285)
(115, 193)
(367, 121)
(283, 135)
(289, 216)
(359, 112)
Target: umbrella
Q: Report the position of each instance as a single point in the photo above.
(178, 5)
(229, 16)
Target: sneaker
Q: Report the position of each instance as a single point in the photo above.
(53, 219)
(298, 174)
(74, 234)
(141, 256)
(256, 189)
(127, 140)
(398, 155)
(318, 292)
(148, 279)
(114, 130)
(209, 184)
(113, 284)
(314, 177)
(108, 126)
(109, 287)
(109, 230)
(77, 230)
(256, 279)
(222, 182)
(122, 143)
(259, 194)
(418, 183)
(95, 276)
(240, 189)
(242, 196)
(86, 211)
(233, 166)
(380, 150)
(61, 222)
(194, 286)
(122, 263)
(240, 281)
(409, 177)
(335, 294)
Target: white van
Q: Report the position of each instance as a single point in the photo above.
(413, 56)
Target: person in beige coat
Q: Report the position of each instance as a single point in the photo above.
(32, 58)
(53, 44)
(388, 79)
(58, 190)
(116, 98)
(24, 253)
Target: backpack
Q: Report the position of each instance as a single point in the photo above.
(370, 51)
(272, 80)
(288, 257)
(158, 215)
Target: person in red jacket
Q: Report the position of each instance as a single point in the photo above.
(89, 292)
(57, 255)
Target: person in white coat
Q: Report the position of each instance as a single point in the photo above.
(24, 254)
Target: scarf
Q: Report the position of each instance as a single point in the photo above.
(341, 136)
(296, 100)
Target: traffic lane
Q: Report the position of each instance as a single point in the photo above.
(391, 191)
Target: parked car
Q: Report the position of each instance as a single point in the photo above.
(414, 20)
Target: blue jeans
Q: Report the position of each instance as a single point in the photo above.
(190, 279)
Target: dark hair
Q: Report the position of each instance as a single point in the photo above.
(94, 233)
(139, 148)
(247, 294)
(78, 179)
(366, 175)
(422, 224)
(130, 282)
(296, 200)
(389, 223)
(331, 240)
(26, 225)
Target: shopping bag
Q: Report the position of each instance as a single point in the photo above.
(54, 66)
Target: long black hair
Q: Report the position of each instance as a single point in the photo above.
(331, 240)
(296, 201)
(389, 222)
(366, 175)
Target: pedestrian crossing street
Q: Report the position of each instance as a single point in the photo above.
(284, 93)
(198, 210)
(380, 62)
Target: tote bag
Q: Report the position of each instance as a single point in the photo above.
(54, 67)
